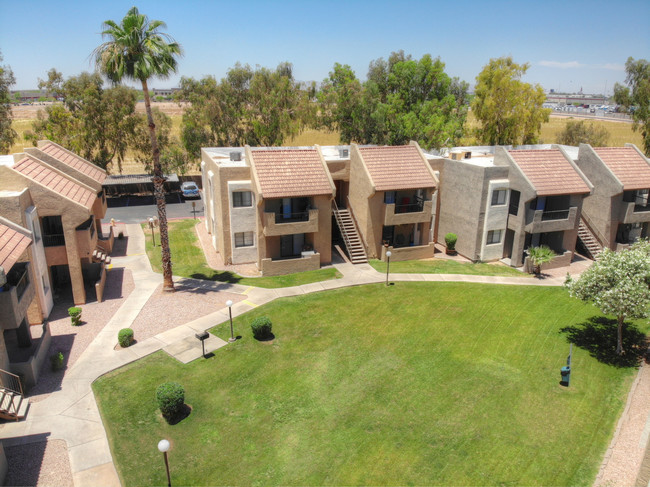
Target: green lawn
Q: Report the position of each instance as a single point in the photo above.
(188, 261)
(412, 384)
(444, 266)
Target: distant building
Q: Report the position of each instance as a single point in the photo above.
(166, 93)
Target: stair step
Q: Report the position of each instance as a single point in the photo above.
(22, 410)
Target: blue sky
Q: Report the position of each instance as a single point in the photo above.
(568, 44)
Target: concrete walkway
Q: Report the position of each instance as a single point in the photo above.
(71, 413)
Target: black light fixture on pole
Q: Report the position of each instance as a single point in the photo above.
(232, 333)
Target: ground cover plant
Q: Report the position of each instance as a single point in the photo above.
(412, 384)
(189, 261)
(445, 266)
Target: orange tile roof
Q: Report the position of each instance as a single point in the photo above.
(56, 182)
(549, 172)
(74, 162)
(396, 167)
(631, 169)
(287, 173)
(12, 246)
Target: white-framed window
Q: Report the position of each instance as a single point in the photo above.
(244, 239)
(499, 197)
(493, 237)
(242, 199)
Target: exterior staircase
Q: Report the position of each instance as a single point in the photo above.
(350, 235)
(100, 256)
(13, 404)
(589, 240)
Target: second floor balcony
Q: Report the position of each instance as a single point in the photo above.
(417, 211)
(539, 221)
(16, 296)
(288, 223)
(636, 207)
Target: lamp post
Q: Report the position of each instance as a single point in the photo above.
(388, 254)
(232, 334)
(163, 447)
(153, 235)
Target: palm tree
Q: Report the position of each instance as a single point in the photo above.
(136, 50)
(540, 255)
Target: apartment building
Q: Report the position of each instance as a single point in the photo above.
(270, 206)
(66, 204)
(617, 213)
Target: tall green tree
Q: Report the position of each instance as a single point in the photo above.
(7, 134)
(580, 132)
(403, 99)
(137, 50)
(509, 110)
(636, 97)
(92, 121)
(255, 107)
(618, 283)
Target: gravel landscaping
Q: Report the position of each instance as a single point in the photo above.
(43, 463)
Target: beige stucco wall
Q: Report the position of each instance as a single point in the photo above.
(50, 203)
(289, 266)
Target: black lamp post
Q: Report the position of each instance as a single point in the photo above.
(153, 235)
(232, 333)
(388, 254)
(163, 447)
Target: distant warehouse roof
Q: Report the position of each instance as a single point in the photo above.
(136, 179)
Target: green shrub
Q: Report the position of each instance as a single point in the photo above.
(261, 327)
(450, 241)
(75, 315)
(171, 398)
(56, 361)
(125, 337)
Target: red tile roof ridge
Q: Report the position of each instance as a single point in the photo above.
(12, 245)
(74, 161)
(397, 167)
(627, 164)
(45, 175)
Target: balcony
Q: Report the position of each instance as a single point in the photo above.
(417, 212)
(542, 221)
(16, 297)
(633, 212)
(276, 223)
(86, 238)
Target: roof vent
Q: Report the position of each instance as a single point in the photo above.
(344, 153)
(235, 156)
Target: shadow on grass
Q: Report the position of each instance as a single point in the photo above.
(180, 416)
(264, 338)
(597, 335)
(224, 276)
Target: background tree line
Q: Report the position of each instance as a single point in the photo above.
(402, 99)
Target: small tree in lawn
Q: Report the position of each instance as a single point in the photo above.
(618, 283)
(540, 255)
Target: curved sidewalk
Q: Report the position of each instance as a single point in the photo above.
(71, 413)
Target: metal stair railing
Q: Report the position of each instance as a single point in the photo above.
(339, 222)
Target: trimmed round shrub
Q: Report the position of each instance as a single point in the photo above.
(56, 361)
(125, 337)
(261, 327)
(75, 315)
(450, 241)
(171, 398)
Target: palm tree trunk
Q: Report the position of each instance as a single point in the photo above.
(619, 338)
(159, 191)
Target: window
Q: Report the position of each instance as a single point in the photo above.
(493, 237)
(244, 239)
(499, 197)
(389, 197)
(242, 198)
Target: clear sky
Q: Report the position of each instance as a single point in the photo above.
(568, 44)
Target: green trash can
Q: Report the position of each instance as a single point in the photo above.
(566, 374)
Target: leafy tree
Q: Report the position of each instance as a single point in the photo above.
(53, 84)
(581, 132)
(256, 107)
(618, 283)
(539, 256)
(636, 97)
(7, 134)
(509, 110)
(137, 50)
(403, 99)
(93, 122)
